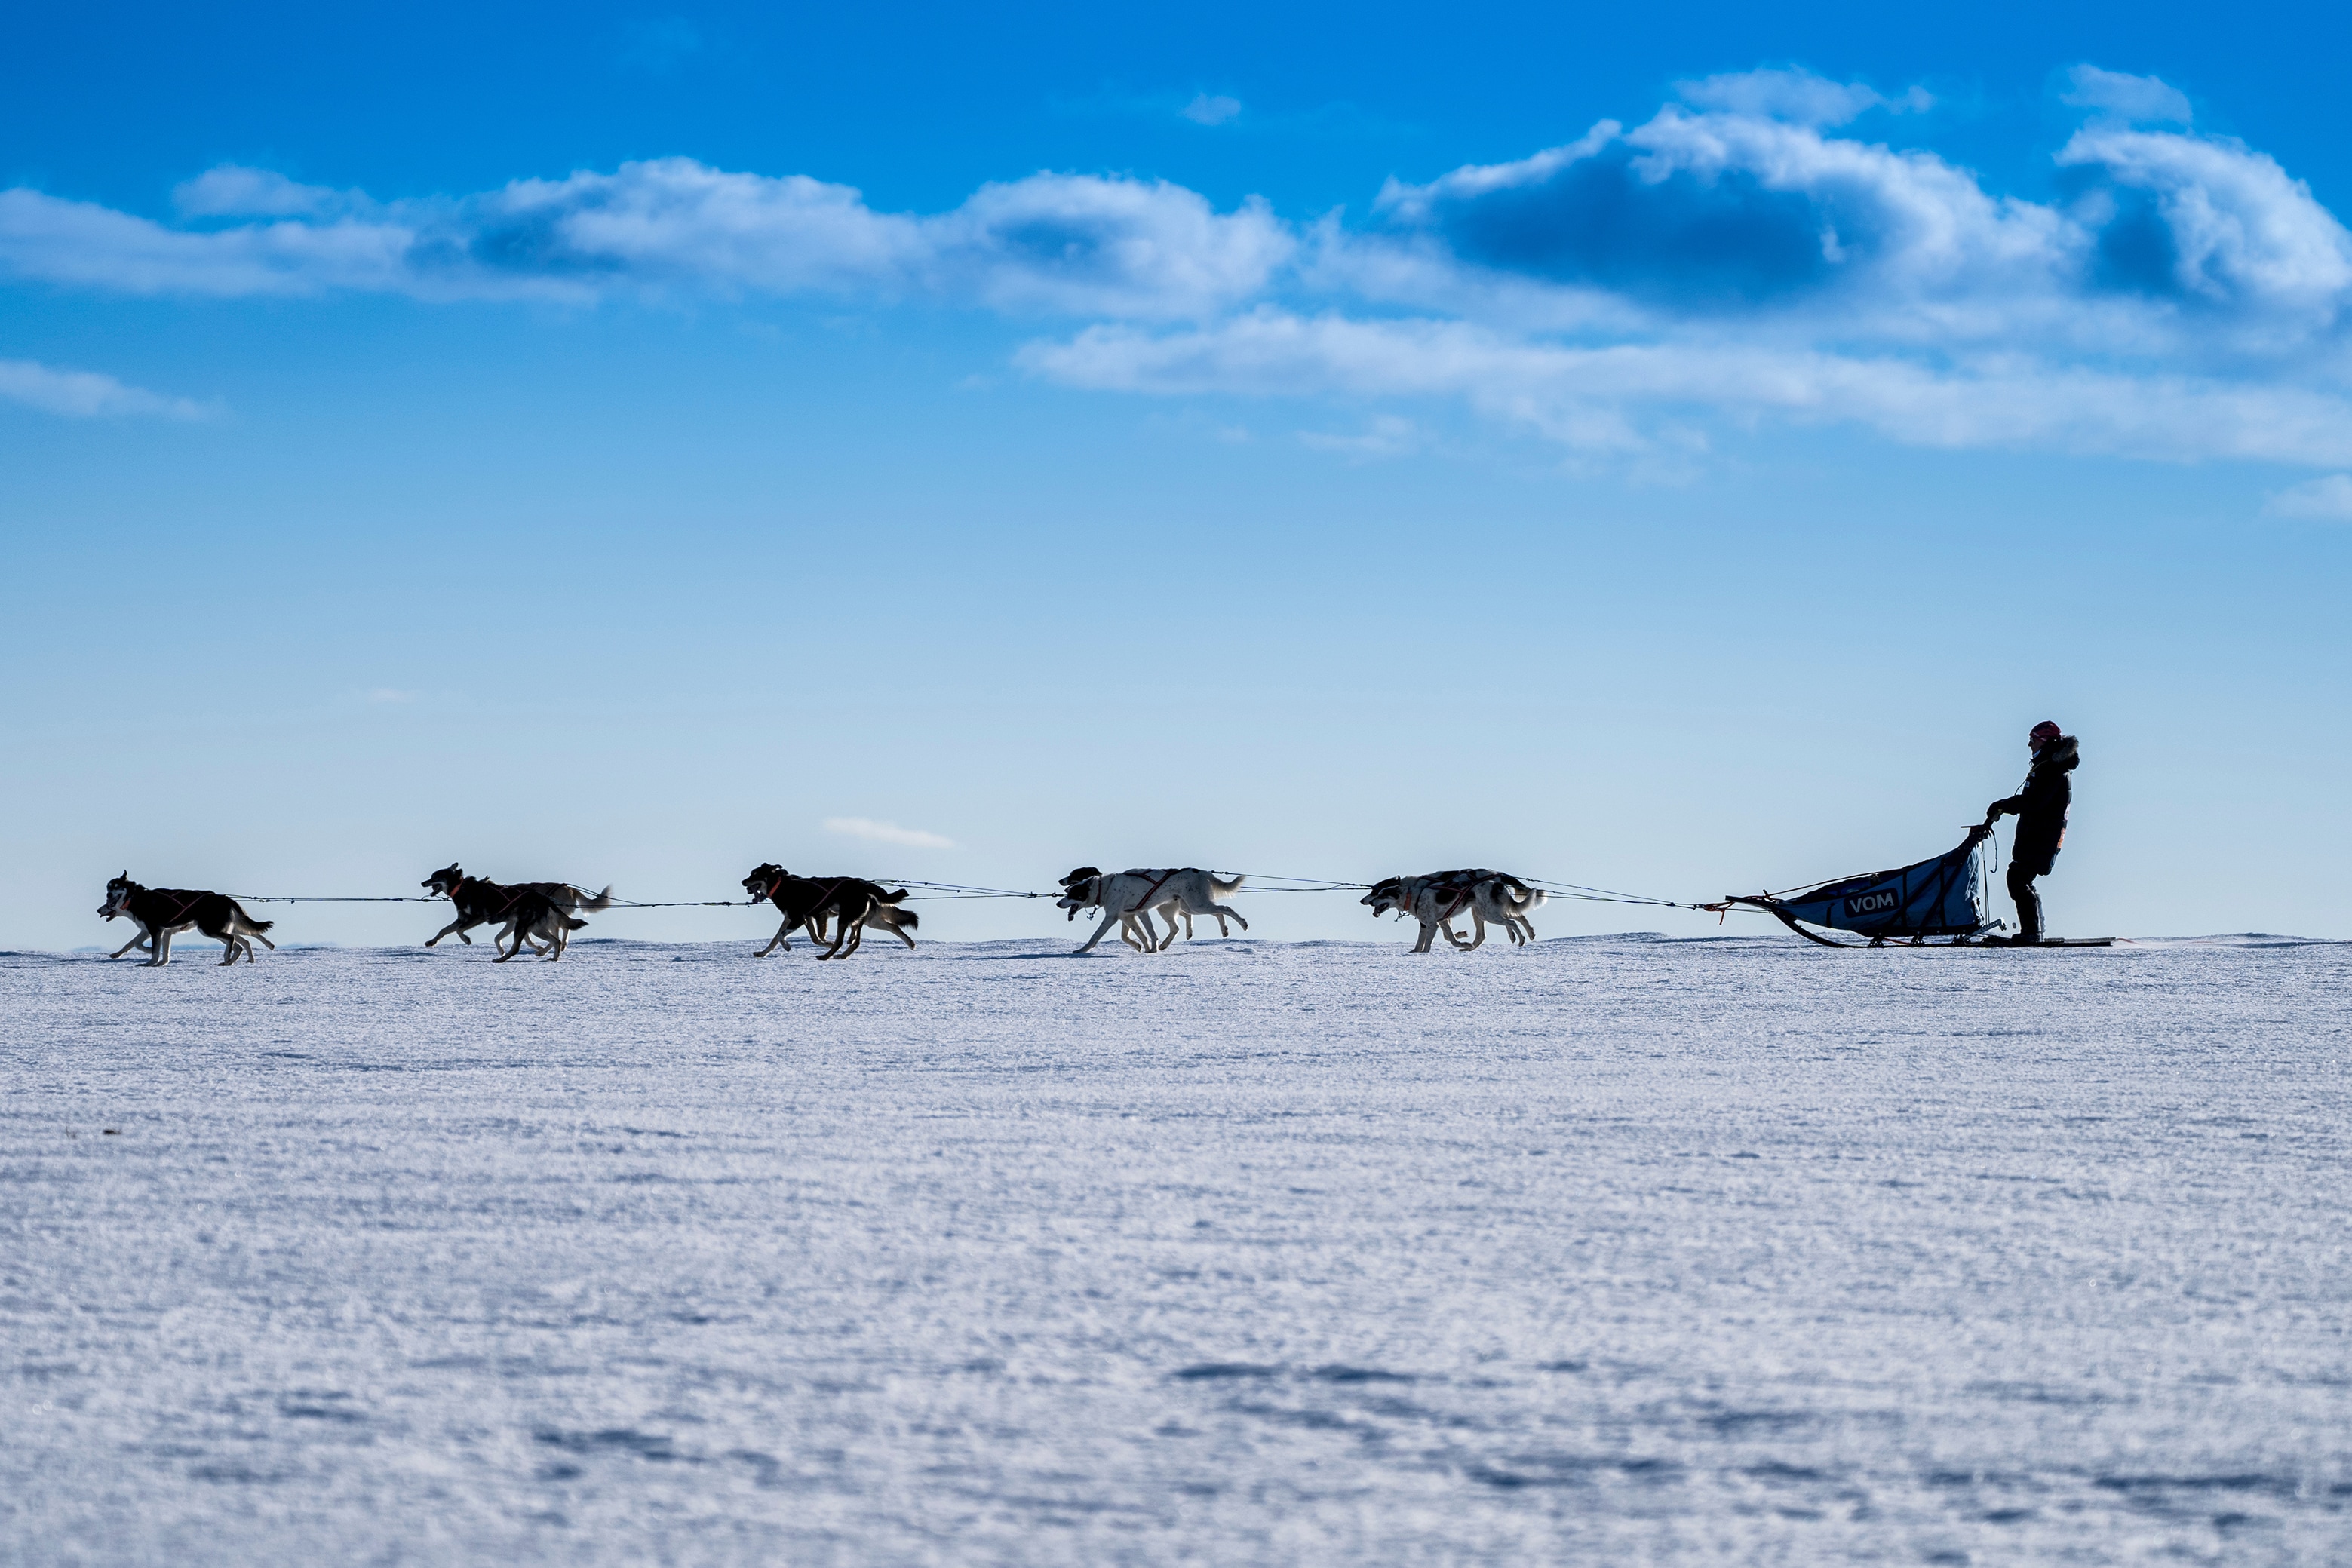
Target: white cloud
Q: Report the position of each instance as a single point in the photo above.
(87, 394)
(47, 239)
(232, 190)
(1714, 212)
(1082, 244)
(1595, 399)
(1206, 110)
(1387, 435)
(1736, 258)
(2140, 99)
(885, 833)
(2328, 497)
(2237, 228)
(1798, 96)
(1053, 243)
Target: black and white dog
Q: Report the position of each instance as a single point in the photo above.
(1489, 897)
(538, 919)
(1127, 899)
(159, 912)
(815, 901)
(480, 900)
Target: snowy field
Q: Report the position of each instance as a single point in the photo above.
(1614, 1251)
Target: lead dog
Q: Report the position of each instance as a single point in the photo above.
(1124, 896)
(815, 901)
(159, 912)
(480, 900)
(1489, 897)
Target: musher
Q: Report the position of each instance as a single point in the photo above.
(2040, 811)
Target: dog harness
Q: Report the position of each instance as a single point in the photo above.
(513, 894)
(831, 888)
(1144, 902)
(187, 902)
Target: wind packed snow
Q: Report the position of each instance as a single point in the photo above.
(1614, 1251)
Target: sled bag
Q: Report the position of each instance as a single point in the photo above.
(1940, 897)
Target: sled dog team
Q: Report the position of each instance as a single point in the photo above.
(544, 914)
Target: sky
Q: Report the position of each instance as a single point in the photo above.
(1680, 452)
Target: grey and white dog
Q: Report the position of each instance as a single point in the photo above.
(1128, 898)
(1437, 899)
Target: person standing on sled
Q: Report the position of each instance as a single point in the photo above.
(2040, 811)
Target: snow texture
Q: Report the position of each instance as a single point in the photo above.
(1613, 1250)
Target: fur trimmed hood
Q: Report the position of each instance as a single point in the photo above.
(2060, 755)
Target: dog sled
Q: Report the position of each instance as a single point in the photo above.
(1947, 898)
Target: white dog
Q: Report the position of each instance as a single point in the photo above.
(1128, 898)
(1489, 897)
(1504, 901)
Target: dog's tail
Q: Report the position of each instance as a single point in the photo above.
(1221, 890)
(909, 919)
(1518, 896)
(250, 923)
(572, 924)
(894, 898)
(596, 905)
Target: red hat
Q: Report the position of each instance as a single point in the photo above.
(2046, 730)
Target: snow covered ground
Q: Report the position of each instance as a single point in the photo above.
(1611, 1250)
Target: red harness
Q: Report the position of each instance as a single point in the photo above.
(186, 904)
(1144, 902)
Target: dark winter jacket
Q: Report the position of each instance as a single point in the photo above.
(2041, 806)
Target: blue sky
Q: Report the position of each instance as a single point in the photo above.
(1680, 452)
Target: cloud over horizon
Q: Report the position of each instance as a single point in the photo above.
(1745, 253)
(2329, 496)
(880, 832)
(87, 394)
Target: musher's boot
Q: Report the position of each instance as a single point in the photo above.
(2029, 917)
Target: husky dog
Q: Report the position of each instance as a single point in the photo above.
(1489, 897)
(1173, 910)
(1504, 901)
(816, 901)
(1079, 891)
(479, 901)
(883, 916)
(536, 918)
(159, 912)
(1427, 899)
(1128, 898)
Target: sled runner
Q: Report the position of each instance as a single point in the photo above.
(1941, 897)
